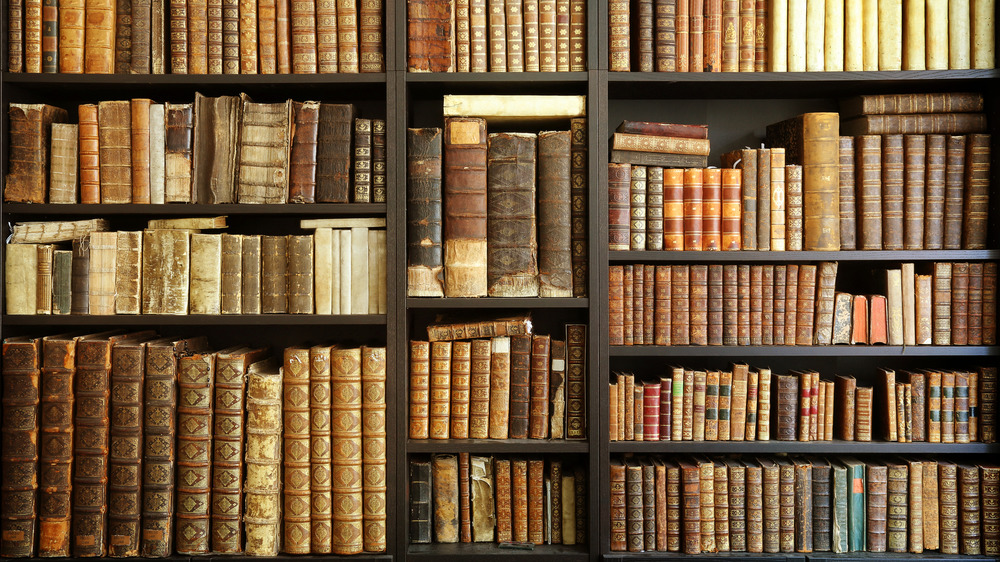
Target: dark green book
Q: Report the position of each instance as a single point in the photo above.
(857, 531)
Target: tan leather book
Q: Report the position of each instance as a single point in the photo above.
(299, 274)
(500, 387)
(804, 321)
(99, 50)
(206, 274)
(370, 38)
(178, 29)
(303, 37)
(440, 390)
(217, 140)
(613, 411)
(512, 268)
(514, 22)
(165, 288)
(71, 25)
(930, 504)
(321, 500)
(267, 30)
(27, 175)
(273, 274)
(969, 522)
(373, 442)
(265, 136)
(346, 435)
(699, 384)
(22, 385)
(296, 464)
(263, 459)
(868, 176)
(140, 150)
(794, 208)
(283, 50)
(115, 133)
(503, 501)
(825, 301)
(887, 404)
(250, 274)
(347, 36)
(214, 13)
(465, 207)
(196, 379)
(948, 507)
(420, 368)
(90, 183)
(248, 37)
(444, 475)
(43, 279)
(231, 298)
(479, 389)
(178, 156)
(63, 163)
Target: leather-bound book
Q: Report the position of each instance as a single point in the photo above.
(481, 489)
(755, 523)
(140, 155)
(459, 390)
(777, 193)
(197, 25)
(231, 298)
(346, 436)
(370, 37)
(791, 303)
(420, 501)
(70, 32)
(373, 435)
(960, 303)
(763, 198)
(893, 186)
(619, 177)
(362, 161)
(839, 505)
(424, 257)
(63, 163)
(962, 402)
(673, 209)
(43, 278)
(915, 497)
(178, 37)
(976, 203)
(744, 305)
(500, 388)
(954, 191)
(326, 36)
(503, 499)
(914, 186)
(299, 274)
(715, 304)
(787, 520)
(691, 506)
(99, 50)
(440, 388)
(576, 381)
(869, 185)
(787, 405)
(303, 37)
(712, 209)
(917, 123)
(793, 207)
(804, 504)
(250, 275)
(512, 268)
(536, 501)
(876, 480)
(27, 175)
(720, 490)
(302, 168)
(22, 365)
(990, 482)
(843, 324)
(539, 385)
(616, 305)
(347, 37)
(948, 506)
(514, 22)
(897, 512)
(766, 307)
(464, 499)
(555, 274)
(520, 386)
(296, 492)
(679, 301)
(333, 152)
(987, 398)
(969, 523)
(642, 19)
(711, 431)
(579, 205)
(265, 136)
(696, 32)
(58, 371)
(942, 298)
(178, 155)
(619, 523)
(758, 384)
(444, 478)
(693, 209)
(196, 377)
(654, 208)
(378, 158)
(822, 510)
(125, 447)
(847, 190)
(272, 27)
(699, 384)
(263, 459)
(730, 304)
(465, 207)
(948, 406)
(804, 321)
(512, 326)
(698, 301)
(934, 200)
(429, 36)
(825, 295)
(115, 133)
(769, 482)
(975, 322)
(646, 306)
(420, 352)
(229, 50)
(731, 212)
(273, 275)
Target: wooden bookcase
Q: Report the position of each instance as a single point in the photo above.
(737, 106)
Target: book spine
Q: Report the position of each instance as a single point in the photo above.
(19, 485)
(347, 436)
(125, 447)
(425, 260)
(196, 379)
(977, 158)
(263, 461)
(373, 441)
(555, 272)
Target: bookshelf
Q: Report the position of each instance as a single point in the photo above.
(735, 105)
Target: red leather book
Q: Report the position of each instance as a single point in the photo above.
(712, 209)
(619, 181)
(651, 411)
(673, 208)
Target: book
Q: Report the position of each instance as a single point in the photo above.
(424, 256)
(512, 268)
(499, 109)
(30, 134)
(465, 207)
(22, 379)
(347, 465)
(265, 139)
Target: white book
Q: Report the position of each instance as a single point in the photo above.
(359, 270)
(796, 35)
(853, 32)
(937, 34)
(373, 272)
(382, 274)
(346, 222)
(869, 22)
(890, 34)
(323, 270)
(205, 294)
(335, 298)
(778, 36)
(815, 34)
(959, 41)
(157, 148)
(894, 305)
(21, 278)
(833, 51)
(914, 33)
(983, 39)
(345, 272)
(909, 288)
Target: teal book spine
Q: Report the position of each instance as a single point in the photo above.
(839, 542)
(856, 526)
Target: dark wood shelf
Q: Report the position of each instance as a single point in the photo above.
(803, 350)
(750, 557)
(800, 447)
(496, 77)
(57, 321)
(801, 256)
(181, 209)
(190, 80)
(462, 552)
(496, 446)
(496, 302)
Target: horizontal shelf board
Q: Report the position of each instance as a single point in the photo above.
(615, 556)
(464, 551)
(803, 350)
(496, 302)
(291, 558)
(756, 256)
(20, 78)
(812, 447)
(495, 446)
(182, 209)
(195, 320)
(459, 78)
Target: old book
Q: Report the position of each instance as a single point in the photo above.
(265, 138)
(536, 501)
(764, 198)
(250, 275)
(30, 140)
(420, 501)
(140, 155)
(114, 133)
(373, 435)
(157, 147)
(633, 507)
(825, 300)
(273, 274)
(970, 534)
(693, 209)
(804, 321)
(89, 144)
(206, 274)
(869, 185)
(896, 507)
(512, 268)
(62, 272)
(347, 465)
(843, 323)
(807, 504)
(539, 387)
(902, 104)
(217, 129)
(103, 260)
(419, 418)
(263, 459)
(440, 389)
(178, 158)
(481, 490)
(503, 502)
(917, 124)
(424, 256)
(498, 109)
(362, 161)
(839, 494)
(787, 407)
(334, 152)
(977, 159)
(299, 274)
(661, 144)
(444, 475)
(555, 276)
(196, 379)
(698, 304)
(754, 506)
(578, 204)
(661, 159)
(21, 278)
(465, 207)
(21, 399)
(231, 298)
(63, 163)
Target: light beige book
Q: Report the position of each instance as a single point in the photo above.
(937, 34)
(373, 271)
(263, 459)
(232, 274)
(43, 276)
(568, 510)
(959, 39)
(869, 32)
(853, 25)
(335, 256)
(797, 10)
(103, 259)
(983, 37)
(777, 35)
(206, 274)
(128, 273)
(189, 223)
(890, 34)
(359, 270)
(894, 305)
(346, 256)
(914, 34)
(47, 232)
(382, 273)
(833, 29)
(924, 306)
(503, 108)
(165, 271)
(323, 269)
(481, 491)
(21, 278)
(908, 281)
(157, 148)
(777, 199)
(63, 163)
(346, 222)
(815, 35)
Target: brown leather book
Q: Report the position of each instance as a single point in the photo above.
(578, 204)
(756, 304)
(420, 352)
(969, 523)
(846, 408)
(712, 209)
(514, 22)
(619, 524)
(698, 303)
(619, 37)
(977, 158)
(346, 435)
(513, 326)
(914, 186)
(648, 303)
(680, 319)
(27, 176)
(265, 136)
(214, 9)
(665, 45)
(948, 402)
(730, 304)
(989, 303)
(948, 506)
(990, 481)
(954, 191)
(519, 496)
(822, 508)
(786, 505)
(299, 274)
(536, 501)
(731, 216)
(662, 305)
(961, 408)
(272, 28)
(987, 400)
(848, 229)
(619, 181)
(804, 321)
(755, 522)
(370, 41)
(429, 33)
(373, 435)
(642, 20)
(903, 104)
(576, 381)
(712, 36)
(70, 37)
(555, 273)
(420, 502)
(715, 305)
(934, 200)
(805, 508)
(673, 209)
(691, 507)
(99, 50)
(825, 301)
(637, 208)
(960, 303)
(917, 123)
(918, 383)
(539, 387)
(763, 198)
(975, 303)
(178, 30)
(263, 459)
(464, 498)
(876, 479)
(444, 475)
(893, 187)
(178, 155)
(793, 207)
(424, 257)
(63, 164)
(333, 152)
(15, 37)
(811, 140)
(125, 447)
(693, 209)
(378, 158)
(896, 508)
(459, 390)
(197, 25)
(915, 496)
(196, 378)
(696, 31)
(771, 494)
(744, 305)
(791, 303)
(511, 264)
(21, 399)
(465, 207)
(302, 31)
(616, 305)
(273, 277)
(500, 388)
(347, 37)
(863, 414)
(58, 371)
(362, 161)
(942, 298)
(869, 184)
(520, 386)
(302, 167)
(787, 407)
(326, 36)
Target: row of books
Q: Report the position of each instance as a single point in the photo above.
(932, 405)
(225, 149)
(514, 211)
(798, 36)
(244, 434)
(804, 504)
(198, 37)
(506, 387)
(465, 498)
(496, 36)
(173, 271)
(792, 304)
